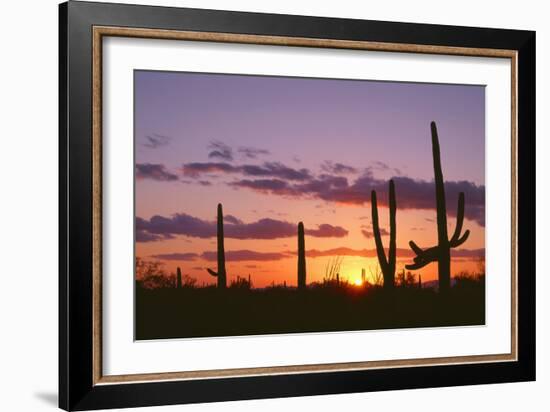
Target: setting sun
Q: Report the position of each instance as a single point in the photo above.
(358, 282)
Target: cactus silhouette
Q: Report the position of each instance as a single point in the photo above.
(221, 273)
(301, 257)
(387, 266)
(178, 278)
(442, 251)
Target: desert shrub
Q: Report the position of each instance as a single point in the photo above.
(152, 275)
(188, 282)
(467, 279)
(241, 283)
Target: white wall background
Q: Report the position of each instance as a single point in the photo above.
(28, 203)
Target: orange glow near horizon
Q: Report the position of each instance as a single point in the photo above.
(284, 269)
(277, 151)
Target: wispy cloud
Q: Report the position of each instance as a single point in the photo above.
(197, 169)
(245, 256)
(252, 152)
(267, 169)
(337, 168)
(153, 171)
(378, 166)
(230, 256)
(219, 150)
(232, 219)
(154, 141)
(143, 237)
(369, 234)
(400, 252)
(326, 230)
(276, 169)
(177, 256)
(275, 186)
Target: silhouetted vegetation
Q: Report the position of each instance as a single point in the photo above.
(332, 271)
(221, 274)
(151, 275)
(239, 310)
(387, 265)
(178, 278)
(408, 280)
(301, 257)
(241, 283)
(442, 251)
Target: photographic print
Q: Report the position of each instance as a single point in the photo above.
(269, 205)
(263, 205)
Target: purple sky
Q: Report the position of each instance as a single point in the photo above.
(263, 129)
(386, 121)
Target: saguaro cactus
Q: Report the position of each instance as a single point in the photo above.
(221, 273)
(387, 266)
(301, 257)
(442, 251)
(178, 278)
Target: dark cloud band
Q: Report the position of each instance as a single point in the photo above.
(154, 172)
(411, 193)
(255, 256)
(161, 227)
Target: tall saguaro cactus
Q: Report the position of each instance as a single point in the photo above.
(221, 273)
(178, 278)
(442, 251)
(387, 265)
(301, 257)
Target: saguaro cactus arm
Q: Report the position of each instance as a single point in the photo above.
(426, 256)
(423, 257)
(457, 240)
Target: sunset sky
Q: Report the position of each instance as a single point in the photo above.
(276, 150)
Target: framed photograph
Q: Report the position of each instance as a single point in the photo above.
(257, 205)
